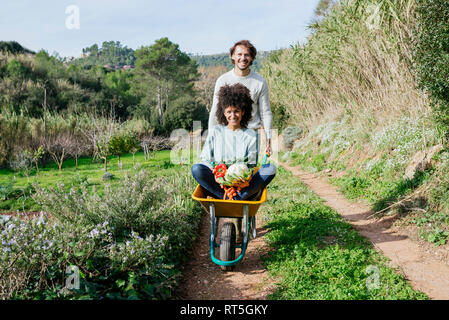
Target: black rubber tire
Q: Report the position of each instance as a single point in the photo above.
(227, 244)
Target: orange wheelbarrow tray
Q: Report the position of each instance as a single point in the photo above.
(240, 209)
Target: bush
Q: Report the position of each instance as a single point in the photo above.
(125, 243)
(13, 135)
(432, 56)
(117, 144)
(290, 135)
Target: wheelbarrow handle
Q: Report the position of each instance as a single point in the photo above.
(265, 158)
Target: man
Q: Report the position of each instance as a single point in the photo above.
(243, 54)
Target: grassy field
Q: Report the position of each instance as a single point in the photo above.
(15, 187)
(317, 255)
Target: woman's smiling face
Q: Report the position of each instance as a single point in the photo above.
(233, 116)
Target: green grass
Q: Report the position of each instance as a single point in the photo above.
(87, 170)
(379, 189)
(317, 255)
(375, 182)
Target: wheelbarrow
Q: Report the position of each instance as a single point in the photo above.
(243, 211)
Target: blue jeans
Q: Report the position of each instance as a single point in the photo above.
(204, 176)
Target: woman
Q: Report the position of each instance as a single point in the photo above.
(232, 141)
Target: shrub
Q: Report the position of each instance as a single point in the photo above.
(125, 243)
(13, 135)
(108, 176)
(431, 56)
(23, 162)
(290, 135)
(117, 145)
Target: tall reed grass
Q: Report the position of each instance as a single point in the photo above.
(356, 61)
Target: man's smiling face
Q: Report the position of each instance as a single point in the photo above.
(242, 57)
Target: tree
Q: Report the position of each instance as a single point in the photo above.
(132, 144)
(183, 111)
(169, 68)
(118, 85)
(36, 156)
(57, 146)
(117, 145)
(16, 70)
(206, 84)
(431, 57)
(77, 148)
(102, 149)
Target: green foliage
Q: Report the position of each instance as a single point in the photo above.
(431, 56)
(117, 145)
(346, 64)
(123, 142)
(159, 90)
(16, 69)
(317, 255)
(171, 73)
(13, 47)
(182, 112)
(127, 243)
(13, 133)
(224, 59)
(323, 7)
(375, 172)
(111, 53)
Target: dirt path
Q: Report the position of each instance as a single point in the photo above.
(424, 265)
(204, 280)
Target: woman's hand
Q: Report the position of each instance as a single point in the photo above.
(242, 184)
(268, 148)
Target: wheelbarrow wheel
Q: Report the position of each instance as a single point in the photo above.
(227, 244)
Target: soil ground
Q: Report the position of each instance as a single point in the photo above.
(204, 280)
(426, 267)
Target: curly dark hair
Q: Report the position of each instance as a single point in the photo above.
(252, 50)
(238, 96)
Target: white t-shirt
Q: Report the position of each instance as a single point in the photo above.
(257, 85)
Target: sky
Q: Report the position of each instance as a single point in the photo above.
(197, 26)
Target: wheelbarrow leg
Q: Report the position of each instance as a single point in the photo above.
(238, 228)
(213, 224)
(253, 231)
(245, 222)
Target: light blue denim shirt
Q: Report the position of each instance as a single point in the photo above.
(225, 145)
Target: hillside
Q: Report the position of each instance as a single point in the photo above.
(116, 56)
(223, 59)
(13, 47)
(353, 94)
